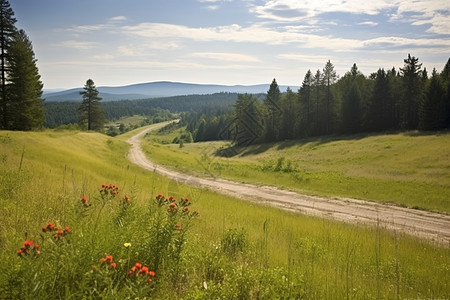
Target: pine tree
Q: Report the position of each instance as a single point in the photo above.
(445, 76)
(432, 111)
(90, 112)
(273, 119)
(317, 84)
(248, 125)
(7, 30)
(24, 90)
(305, 101)
(381, 107)
(412, 92)
(329, 76)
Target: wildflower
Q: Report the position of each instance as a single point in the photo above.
(84, 199)
(151, 273)
(67, 230)
(138, 265)
(144, 270)
(126, 199)
(59, 232)
(186, 209)
(178, 227)
(103, 185)
(28, 243)
(50, 226)
(149, 280)
(113, 265)
(127, 245)
(44, 229)
(109, 258)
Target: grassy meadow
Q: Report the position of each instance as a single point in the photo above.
(408, 169)
(218, 247)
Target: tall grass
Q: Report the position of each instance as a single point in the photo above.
(232, 249)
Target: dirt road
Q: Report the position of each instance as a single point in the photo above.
(433, 226)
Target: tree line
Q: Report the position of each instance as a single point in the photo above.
(20, 83)
(387, 100)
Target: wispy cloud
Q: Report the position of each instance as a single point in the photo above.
(80, 45)
(234, 57)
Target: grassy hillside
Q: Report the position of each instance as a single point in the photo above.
(232, 249)
(408, 169)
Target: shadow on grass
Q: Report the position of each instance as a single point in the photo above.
(254, 149)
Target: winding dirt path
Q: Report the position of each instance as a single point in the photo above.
(433, 226)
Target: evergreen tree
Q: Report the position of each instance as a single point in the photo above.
(329, 76)
(305, 104)
(381, 109)
(445, 76)
(317, 85)
(412, 92)
(90, 112)
(432, 110)
(290, 112)
(7, 31)
(24, 91)
(273, 118)
(351, 110)
(248, 125)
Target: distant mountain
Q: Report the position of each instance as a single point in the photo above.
(158, 89)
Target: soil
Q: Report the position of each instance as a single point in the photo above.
(429, 225)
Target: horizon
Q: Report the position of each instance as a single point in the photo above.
(227, 42)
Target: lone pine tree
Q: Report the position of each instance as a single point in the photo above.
(90, 114)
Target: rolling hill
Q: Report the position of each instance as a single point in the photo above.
(157, 89)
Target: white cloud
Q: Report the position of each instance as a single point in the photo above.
(234, 57)
(370, 23)
(273, 36)
(118, 18)
(77, 45)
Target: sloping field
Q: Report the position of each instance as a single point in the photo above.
(234, 249)
(407, 169)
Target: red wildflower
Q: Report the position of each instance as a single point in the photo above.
(109, 258)
(103, 185)
(113, 265)
(50, 226)
(186, 208)
(144, 270)
(151, 273)
(67, 229)
(102, 260)
(138, 265)
(28, 243)
(126, 199)
(36, 246)
(60, 232)
(44, 229)
(178, 227)
(84, 199)
(149, 280)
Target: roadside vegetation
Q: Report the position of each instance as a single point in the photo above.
(124, 240)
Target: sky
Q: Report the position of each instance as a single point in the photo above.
(117, 42)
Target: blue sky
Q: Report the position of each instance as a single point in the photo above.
(227, 41)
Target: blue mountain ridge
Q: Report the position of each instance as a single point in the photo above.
(158, 89)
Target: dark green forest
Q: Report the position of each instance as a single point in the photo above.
(386, 100)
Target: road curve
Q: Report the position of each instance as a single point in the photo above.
(429, 225)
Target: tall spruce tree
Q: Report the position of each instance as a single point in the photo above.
(445, 76)
(432, 110)
(412, 92)
(7, 31)
(317, 84)
(381, 107)
(305, 94)
(91, 115)
(329, 76)
(24, 91)
(273, 118)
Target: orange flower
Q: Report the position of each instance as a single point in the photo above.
(151, 273)
(67, 229)
(60, 232)
(84, 199)
(178, 226)
(113, 265)
(109, 258)
(144, 270)
(28, 243)
(138, 265)
(50, 226)
(149, 280)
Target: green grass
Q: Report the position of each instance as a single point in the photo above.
(234, 248)
(410, 169)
